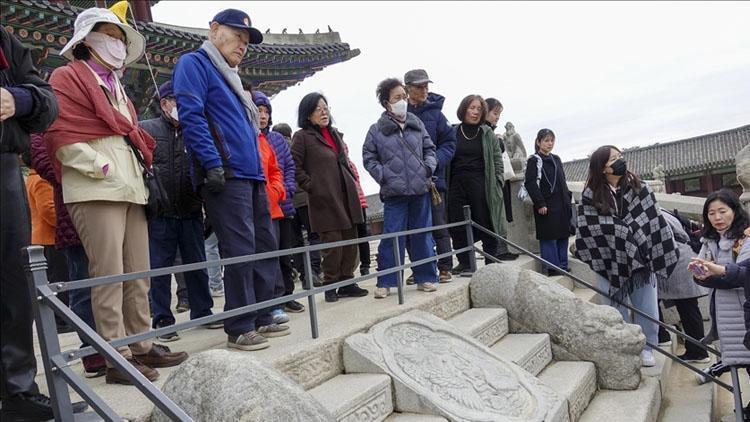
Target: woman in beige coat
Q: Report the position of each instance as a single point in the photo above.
(93, 144)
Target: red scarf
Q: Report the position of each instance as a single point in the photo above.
(85, 114)
(327, 136)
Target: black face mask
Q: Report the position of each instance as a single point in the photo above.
(619, 167)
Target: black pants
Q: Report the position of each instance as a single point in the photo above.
(16, 346)
(692, 323)
(468, 189)
(57, 271)
(285, 234)
(302, 222)
(364, 248)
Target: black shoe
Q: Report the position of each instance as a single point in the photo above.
(173, 336)
(352, 291)
(695, 358)
(331, 296)
(364, 271)
(507, 256)
(552, 272)
(460, 268)
(294, 306)
(63, 328)
(32, 407)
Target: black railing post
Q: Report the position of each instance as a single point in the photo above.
(400, 274)
(36, 275)
(738, 408)
(470, 239)
(311, 306)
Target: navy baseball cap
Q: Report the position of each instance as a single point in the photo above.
(165, 90)
(239, 19)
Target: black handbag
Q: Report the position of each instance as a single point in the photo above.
(158, 201)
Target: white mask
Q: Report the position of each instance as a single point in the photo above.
(399, 109)
(111, 50)
(173, 114)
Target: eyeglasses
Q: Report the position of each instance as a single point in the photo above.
(321, 110)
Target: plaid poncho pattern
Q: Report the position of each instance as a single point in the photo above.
(626, 250)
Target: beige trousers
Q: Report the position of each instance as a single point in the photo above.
(115, 237)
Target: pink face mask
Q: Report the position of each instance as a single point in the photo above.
(111, 50)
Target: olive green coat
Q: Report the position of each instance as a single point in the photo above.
(493, 178)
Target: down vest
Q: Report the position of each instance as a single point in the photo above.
(394, 165)
(172, 165)
(729, 302)
(443, 135)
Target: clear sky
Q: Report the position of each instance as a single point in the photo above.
(628, 74)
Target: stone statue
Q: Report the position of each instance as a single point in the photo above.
(659, 174)
(579, 330)
(743, 175)
(470, 382)
(514, 147)
(218, 385)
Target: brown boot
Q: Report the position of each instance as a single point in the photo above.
(115, 376)
(161, 357)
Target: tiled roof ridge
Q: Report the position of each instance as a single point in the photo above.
(677, 142)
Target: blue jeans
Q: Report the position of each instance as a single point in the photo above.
(405, 213)
(212, 254)
(643, 299)
(165, 235)
(242, 223)
(555, 251)
(79, 299)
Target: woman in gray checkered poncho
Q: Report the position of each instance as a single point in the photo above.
(624, 238)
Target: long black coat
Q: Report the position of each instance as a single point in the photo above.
(333, 201)
(556, 223)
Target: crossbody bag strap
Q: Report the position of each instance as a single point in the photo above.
(414, 153)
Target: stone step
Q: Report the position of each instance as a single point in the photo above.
(356, 397)
(527, 263)
(532, 352)
(661, 370)
(564, 281)
(574, 381)
(586, 295)
(641, 405)
(414, 417)
(488, 325)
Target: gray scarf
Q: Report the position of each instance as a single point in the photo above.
(233, 79)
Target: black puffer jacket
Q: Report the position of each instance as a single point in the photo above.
(22, 74)
(173, 168)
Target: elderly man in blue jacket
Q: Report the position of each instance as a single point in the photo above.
(428, 107)
(220, 126)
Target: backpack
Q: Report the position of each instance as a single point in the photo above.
(692, 228)
(523, 194)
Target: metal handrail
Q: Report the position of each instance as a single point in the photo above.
(59, 375)
(619, 302)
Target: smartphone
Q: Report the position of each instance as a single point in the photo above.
(697, 269)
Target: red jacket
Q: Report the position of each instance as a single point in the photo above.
(274, 179)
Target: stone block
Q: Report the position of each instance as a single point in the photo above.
(529, 351)
(640, 405)
(586, 295)
(414, 417)
(356, 397)
(439, 370)
(219, 385)
(576, 381)
(662, 369)
(585, 331)
(488, 325)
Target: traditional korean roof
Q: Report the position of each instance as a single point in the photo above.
(283, 60)
(704, 152)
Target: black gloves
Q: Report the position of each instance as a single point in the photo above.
(215, 180)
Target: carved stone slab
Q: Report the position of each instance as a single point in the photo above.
(439, 370)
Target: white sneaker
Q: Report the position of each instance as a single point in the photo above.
(427, 287)
(648, 359)
(382, 292)
(701, 378)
